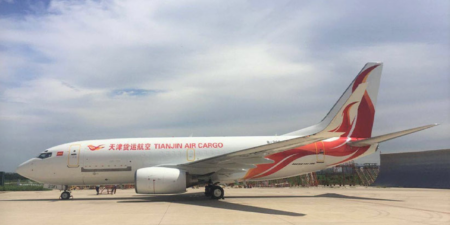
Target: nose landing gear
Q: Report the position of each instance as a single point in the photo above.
(66, 195)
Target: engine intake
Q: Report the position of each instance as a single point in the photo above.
(160, 180)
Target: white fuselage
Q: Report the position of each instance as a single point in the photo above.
(115, 161)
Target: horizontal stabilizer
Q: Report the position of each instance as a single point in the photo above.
(381, 138)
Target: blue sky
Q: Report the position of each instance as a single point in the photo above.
(77, 70)
(21, 8)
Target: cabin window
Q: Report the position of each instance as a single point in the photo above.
(45, 155)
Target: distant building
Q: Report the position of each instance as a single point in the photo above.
(426, 169)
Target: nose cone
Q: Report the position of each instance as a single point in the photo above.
(26, 169)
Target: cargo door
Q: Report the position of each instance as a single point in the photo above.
(320, 152)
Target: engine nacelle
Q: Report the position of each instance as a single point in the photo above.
(160, 180)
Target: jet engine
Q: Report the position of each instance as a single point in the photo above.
(160, 180)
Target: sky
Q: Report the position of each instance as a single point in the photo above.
(80, 70)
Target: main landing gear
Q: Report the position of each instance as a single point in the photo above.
(65, 195)
(214, 191)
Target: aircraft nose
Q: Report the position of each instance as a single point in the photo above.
(26, 169)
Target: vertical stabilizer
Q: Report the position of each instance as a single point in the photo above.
(358, 123)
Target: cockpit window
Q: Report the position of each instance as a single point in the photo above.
(45, 155)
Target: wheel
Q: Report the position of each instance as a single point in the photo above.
(65, 195)
(217, 192)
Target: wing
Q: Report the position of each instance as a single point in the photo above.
(246, 158)
(249, 158)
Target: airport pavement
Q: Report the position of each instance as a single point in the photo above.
(350, 205)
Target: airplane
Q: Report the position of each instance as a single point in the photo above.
(170, 165)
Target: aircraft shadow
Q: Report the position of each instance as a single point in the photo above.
(199, 199)
(327, 195)
(189, 199)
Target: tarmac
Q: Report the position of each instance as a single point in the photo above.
(318, 205)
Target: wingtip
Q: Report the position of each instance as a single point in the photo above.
(432, 125)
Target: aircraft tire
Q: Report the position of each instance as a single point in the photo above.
(217, 192)
(65, 195)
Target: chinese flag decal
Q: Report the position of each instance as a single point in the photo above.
(60, 154)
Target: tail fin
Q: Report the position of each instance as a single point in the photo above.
(353, 114)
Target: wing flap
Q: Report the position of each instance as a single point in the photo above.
(254, 160)
(223, 165)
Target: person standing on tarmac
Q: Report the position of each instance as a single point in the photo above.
(97, 188)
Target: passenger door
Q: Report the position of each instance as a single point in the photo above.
(74, 156)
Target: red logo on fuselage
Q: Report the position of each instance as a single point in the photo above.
(95, 148)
